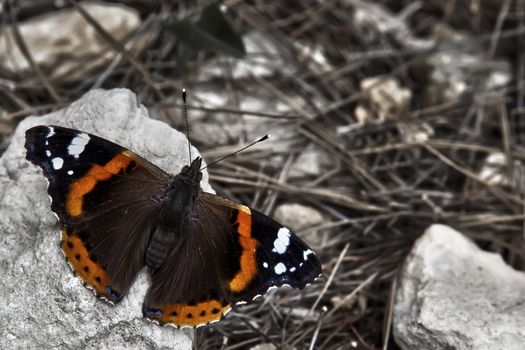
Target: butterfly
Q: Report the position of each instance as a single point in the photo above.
(119, 213)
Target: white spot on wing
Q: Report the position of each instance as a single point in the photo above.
(77, 145)
(51, 132)
(280, 268)
(280, 245)
(292, 269)
(57, 163)
(265, 264)
(70, 172)
(48, 153)
(306, 253)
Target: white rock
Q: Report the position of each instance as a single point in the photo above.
(302, 313)
(311, 162)
(350, 304)
(362, 114)
(64, 45)
(43, 304)
(264, 346)
(386, 95)
(415, 132)
(494, 171)
(389, 100)
(297, 217)
(452, 295)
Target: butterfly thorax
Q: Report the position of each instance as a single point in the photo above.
(181, 195)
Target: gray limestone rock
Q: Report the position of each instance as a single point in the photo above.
(452, 295)
(297, 216)
(65, 46)
(42, 304)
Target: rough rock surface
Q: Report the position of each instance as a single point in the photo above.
(311, 162)
(452, 295)
(297, 216)
(64, 45)
(43, 304)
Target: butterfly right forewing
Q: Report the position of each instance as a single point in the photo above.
(271, 255)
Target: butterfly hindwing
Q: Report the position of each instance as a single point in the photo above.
(190, 289)
(102, 194)
(239, 254)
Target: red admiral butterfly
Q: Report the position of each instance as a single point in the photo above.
(118, 213)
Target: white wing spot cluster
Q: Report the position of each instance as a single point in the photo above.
(280, 268)
(77, 145)
(57, 163)
(50, 132)
(280, 245)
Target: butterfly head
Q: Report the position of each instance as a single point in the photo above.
(191, 174)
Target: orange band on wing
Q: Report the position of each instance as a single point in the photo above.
(193, 315)
(81, 262)
(84, 185)
(249, 246)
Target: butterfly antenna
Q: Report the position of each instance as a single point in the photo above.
(186, 118)
(265, 137)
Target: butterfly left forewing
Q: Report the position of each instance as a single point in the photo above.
(103, 197)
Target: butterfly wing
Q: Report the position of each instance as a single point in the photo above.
(105, 198)
(232, 254)
(270, 254)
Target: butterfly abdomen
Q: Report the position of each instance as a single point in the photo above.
(158, 248)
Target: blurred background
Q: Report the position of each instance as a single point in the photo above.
(386, 116)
